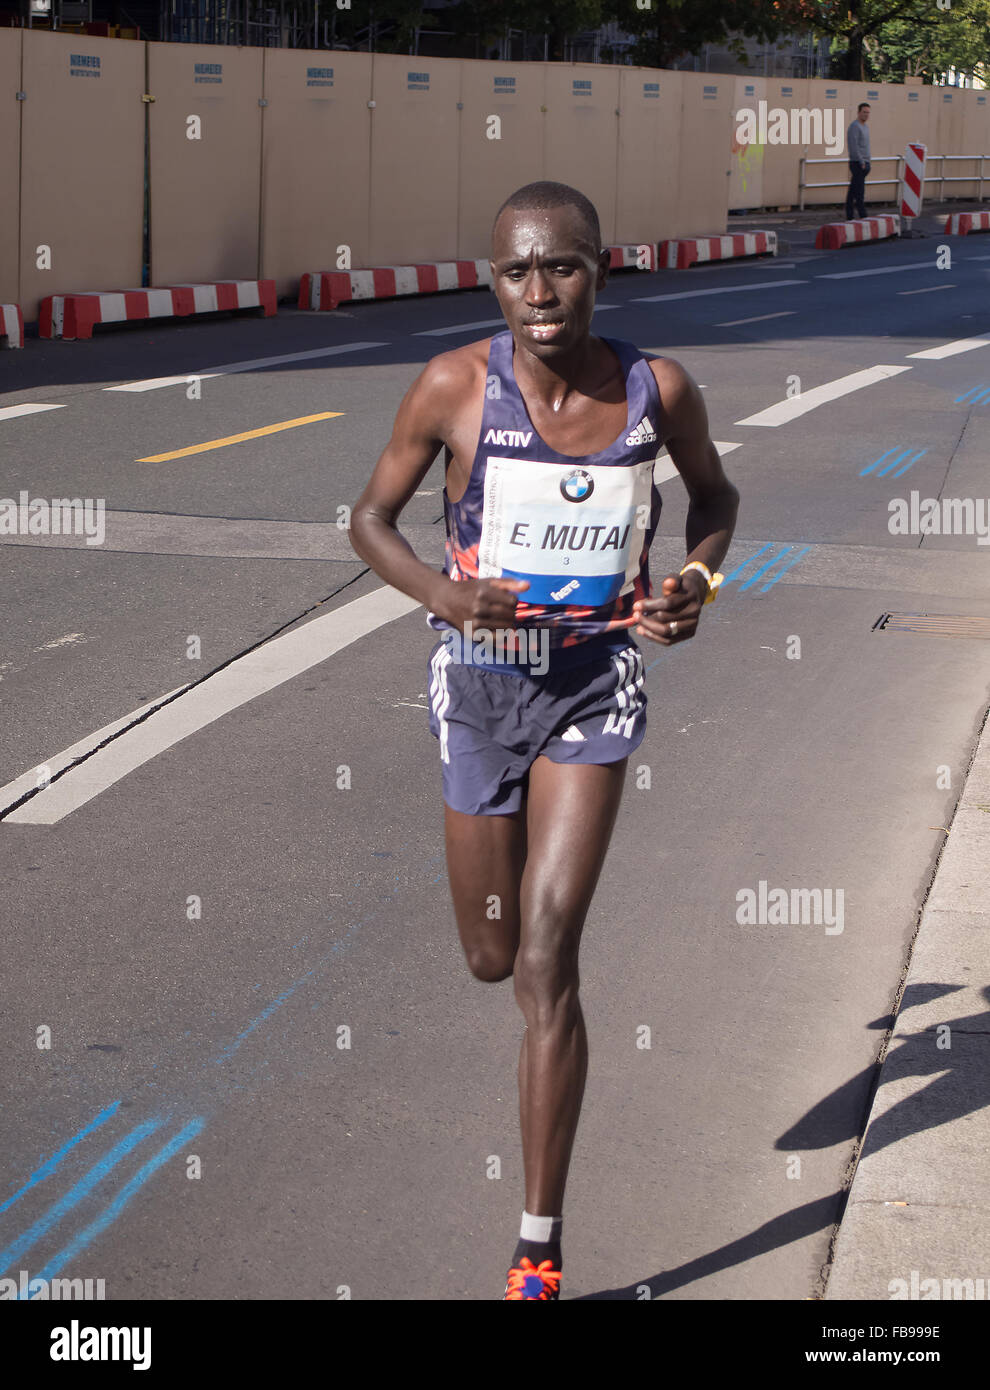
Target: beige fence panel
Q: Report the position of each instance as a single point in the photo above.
(581, 141)
(82, 186)
(317, 178)
(10, 156)
(501, 145)
(748, 151)
(649, 154)
(415, 133)
(702, 202)
(205, 148)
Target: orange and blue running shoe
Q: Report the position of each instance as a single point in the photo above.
(538, 1282)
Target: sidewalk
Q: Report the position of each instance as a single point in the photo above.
(919, 1206)
(796, 229)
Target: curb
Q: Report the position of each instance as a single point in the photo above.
(72, 316)
(325, 289)
(836, 234)
(917, 1219)
(11, 326)
(682, 252)
(961, 223)
(629, 257)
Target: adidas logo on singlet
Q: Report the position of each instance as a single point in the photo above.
(644, 433)
(509, 439)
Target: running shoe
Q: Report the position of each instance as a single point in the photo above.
(537, 1282)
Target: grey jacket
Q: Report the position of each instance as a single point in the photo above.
(858, 141)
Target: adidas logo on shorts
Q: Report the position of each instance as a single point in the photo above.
(644, 433)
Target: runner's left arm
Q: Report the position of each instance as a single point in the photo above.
(711, 518)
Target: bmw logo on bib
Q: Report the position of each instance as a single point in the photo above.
(577, 486)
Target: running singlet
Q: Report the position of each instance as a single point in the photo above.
(578, 529)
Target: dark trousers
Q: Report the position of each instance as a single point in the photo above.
(857, 188)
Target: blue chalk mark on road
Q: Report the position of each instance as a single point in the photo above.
(792, 561)
(286, 994)
(910, 464)
(21, 1244)
(870, 467)
(767, 565)
(739, 568)
(49, 1166)
(29, 1238)
(900, 460)
(106, 1218)
(979, 394)
(894, 462)
(763, 569)
(758, 574)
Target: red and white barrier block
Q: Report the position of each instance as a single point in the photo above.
(961, 223)
(836, 234)
(11, 326)
(73, 315)
(325, 289)
(641, 257)
(686, 251)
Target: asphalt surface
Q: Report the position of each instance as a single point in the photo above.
(197, 931)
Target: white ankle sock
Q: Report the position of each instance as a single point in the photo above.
(540, 1228)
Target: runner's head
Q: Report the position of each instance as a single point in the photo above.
(547, 266)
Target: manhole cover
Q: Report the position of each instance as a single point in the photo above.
(934, 624)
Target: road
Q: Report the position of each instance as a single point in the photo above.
(270, 1074)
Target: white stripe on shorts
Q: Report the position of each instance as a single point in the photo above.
(440, 694)
(630, 677)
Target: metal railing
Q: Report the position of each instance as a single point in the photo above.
(941, 178)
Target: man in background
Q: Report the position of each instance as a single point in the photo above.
(858, 143)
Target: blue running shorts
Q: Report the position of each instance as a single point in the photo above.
(492, 725)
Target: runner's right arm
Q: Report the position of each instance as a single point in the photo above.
(422, 427)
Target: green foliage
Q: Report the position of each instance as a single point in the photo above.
(870, 39)
(672, 29)
(958, 38)
(894, 38)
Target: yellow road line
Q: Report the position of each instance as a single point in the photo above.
(238, 438)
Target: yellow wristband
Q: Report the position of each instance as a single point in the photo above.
(713, 581)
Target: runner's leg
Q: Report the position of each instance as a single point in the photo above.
(485, 858)
(572, 811)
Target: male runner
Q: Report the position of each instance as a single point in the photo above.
(550, 436)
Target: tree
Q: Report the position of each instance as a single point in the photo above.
(558, 19)
(667, 30)
(879, 37)
(960, 39)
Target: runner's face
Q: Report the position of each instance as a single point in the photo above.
(546, 272)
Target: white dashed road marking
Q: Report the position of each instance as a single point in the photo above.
(664, 468)
(935, 354)
(877, 270)
(734, 323)
(155, 383)
(253, 674)
(794, 406)
(13, 791)
(723, 289)
(483, 323)
(10, 412)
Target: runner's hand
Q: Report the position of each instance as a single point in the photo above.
(485, 603)
(683, 597)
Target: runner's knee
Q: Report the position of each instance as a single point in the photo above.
(490, 965)
(545, 976)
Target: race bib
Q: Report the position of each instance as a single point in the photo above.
(576, 534)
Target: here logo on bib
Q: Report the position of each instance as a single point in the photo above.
(575, 533)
